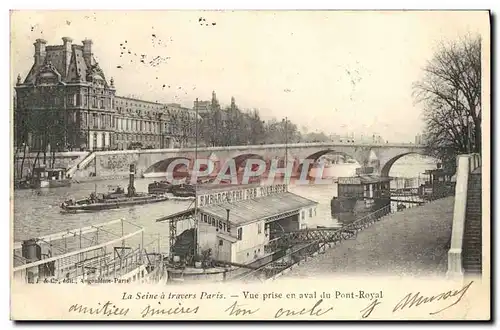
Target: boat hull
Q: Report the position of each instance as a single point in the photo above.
(160, 188)
(112, 204)
(42, 184)
(52, 184)
(183, 194)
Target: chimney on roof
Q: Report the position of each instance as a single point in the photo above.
(233, 103)
(67, 43)
(87, 50)
(40, 51)
(67, 53)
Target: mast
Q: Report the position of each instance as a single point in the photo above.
(196, 183)
(286, 141)
(286, 148)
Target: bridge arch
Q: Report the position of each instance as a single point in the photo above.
(240, 160)
(386, 167)
(360, 156)
(162, 165)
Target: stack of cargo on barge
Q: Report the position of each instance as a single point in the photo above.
(235, 225)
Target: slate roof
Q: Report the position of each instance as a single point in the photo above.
(250, 210)
(77, 69)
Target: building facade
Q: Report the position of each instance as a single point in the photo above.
(67, 103)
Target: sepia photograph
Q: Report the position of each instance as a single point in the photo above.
(250, 165)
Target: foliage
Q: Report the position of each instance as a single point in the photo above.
(232, 126)
(315, 137)
(450, 92)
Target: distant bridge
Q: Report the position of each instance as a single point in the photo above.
(109, 163)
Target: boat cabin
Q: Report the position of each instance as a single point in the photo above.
(437, 176)
(438, 182)
(364, 186)
(43, 173)
(238, 232)
(237, 224)
(115, 189)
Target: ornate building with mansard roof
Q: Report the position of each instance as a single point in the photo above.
(67, 103)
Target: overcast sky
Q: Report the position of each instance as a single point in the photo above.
(337, 72)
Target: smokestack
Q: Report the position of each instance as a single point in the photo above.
(131, 188)
(228, 224)
(40, 51)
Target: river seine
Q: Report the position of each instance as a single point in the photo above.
(37, 212)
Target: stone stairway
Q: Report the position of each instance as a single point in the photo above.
(472, 240)
(74, 165)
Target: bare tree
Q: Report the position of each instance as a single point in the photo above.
(450, 92)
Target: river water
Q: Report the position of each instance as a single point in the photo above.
(37, 213)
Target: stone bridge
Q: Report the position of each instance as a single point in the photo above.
(116, 163)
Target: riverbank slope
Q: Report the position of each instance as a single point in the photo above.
(413, 242)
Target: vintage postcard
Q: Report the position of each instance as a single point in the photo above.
(250, 165)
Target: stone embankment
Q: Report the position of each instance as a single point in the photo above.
(413, 242)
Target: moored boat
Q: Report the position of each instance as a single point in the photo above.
(184, 190)
(44, 178)
(24, 183)
(162, 187)
(117, 198)
(98, 202)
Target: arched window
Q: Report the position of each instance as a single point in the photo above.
(94, 145)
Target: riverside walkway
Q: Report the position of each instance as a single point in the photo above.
(413, 242)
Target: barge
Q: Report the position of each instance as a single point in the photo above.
(360, 194)
(44, 178)
(161, 187)
(113, 200)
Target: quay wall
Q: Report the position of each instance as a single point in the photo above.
(64, 160)
(465, 254)
(472, 246)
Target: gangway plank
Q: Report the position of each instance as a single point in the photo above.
(235, 264)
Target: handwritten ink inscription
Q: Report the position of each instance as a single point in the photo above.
(315, 310)
(237, 310)
(416, 299)
(106, 309)
(306, 304)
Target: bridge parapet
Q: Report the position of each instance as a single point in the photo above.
(115, 163)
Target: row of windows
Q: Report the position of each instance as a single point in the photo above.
(77, 100)
(127, 124)
(137, 137)
(259, 231)
(303, 214)
(138, 104)
(95, 120)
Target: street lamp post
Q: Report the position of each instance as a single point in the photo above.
(195, 184)
(286, 141)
